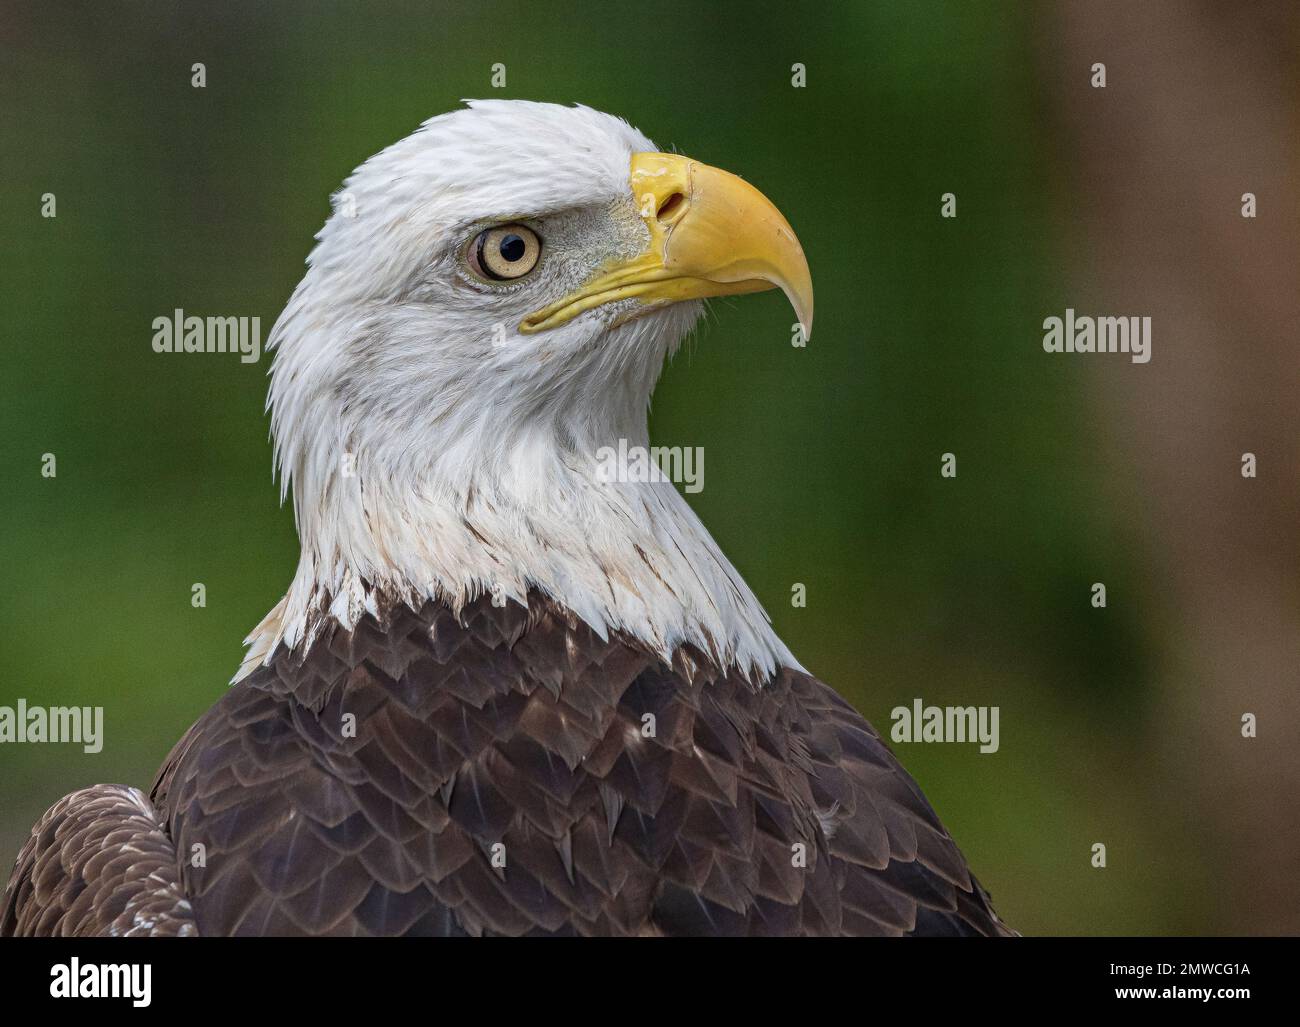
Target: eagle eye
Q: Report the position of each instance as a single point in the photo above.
(504, 253)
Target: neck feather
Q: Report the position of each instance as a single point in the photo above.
(507, 513)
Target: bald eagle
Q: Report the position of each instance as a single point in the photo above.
(507, 692)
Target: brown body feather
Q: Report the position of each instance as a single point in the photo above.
(370, 789)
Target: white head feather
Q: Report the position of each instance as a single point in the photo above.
(435, 452)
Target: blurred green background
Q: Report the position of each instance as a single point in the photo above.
(823, 464)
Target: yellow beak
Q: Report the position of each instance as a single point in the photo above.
(711, 234)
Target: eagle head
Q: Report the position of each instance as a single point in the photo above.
(488, 309)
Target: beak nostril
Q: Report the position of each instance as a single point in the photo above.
(672, 206)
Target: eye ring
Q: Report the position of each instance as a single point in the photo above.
(504, 253)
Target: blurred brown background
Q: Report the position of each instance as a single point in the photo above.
(1200, 107)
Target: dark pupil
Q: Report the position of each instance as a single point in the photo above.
(512, 248)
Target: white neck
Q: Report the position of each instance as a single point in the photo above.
(499, 498)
